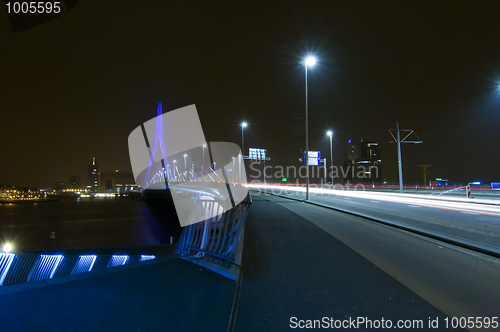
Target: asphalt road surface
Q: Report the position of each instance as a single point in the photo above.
(468, 222)
(459, 282)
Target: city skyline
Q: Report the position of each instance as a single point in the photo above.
(76, 86)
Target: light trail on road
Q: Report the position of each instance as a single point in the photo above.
(415, 200)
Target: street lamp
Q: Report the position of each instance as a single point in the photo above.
(330, 133)
(310, 61)
(232, 172)
(185, 163)
(204, 146)
(175, 167)
(243, 126)
(7, 247)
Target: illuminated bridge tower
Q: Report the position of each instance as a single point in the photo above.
(93, 176)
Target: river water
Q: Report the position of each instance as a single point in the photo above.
(87, 223)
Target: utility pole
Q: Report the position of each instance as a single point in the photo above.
(400, 163)
(398, 140)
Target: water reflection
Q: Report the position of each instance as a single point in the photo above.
(88, 223)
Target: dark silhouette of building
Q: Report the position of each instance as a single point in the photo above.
(117, 182)
(364, 163)
(75, 182)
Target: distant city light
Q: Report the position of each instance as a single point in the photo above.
(310, 61)
(7, 247)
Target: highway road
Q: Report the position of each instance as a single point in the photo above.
(459, 282)
(465, 221)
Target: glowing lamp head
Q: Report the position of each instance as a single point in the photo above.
(329, 133)
(244, 124)
(185, 155)
(175, 161)
(310, 61)
(7, 247)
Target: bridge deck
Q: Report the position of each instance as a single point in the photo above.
(290, 268)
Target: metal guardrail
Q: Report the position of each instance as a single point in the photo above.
(19, 268)
(218, 234)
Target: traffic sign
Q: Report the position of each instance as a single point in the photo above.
(314, 158)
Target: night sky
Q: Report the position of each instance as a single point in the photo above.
(76, 87)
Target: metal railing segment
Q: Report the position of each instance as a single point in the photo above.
(218, 233)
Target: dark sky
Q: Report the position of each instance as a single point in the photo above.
(76, 87)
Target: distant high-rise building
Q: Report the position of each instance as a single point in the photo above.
(363, 162)
(370, 151)
(93, 176)
(352, 151)
(370, 154)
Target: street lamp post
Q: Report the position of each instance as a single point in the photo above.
(204, 146)
(330, 133)
(232, 172)
(243, 126)
(308, 62)
(175, 167)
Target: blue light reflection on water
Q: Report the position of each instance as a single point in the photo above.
(87, 223)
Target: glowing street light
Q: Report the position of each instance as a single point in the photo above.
(7, 247)
(185, 163)
(330, 133)
(310, 61)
